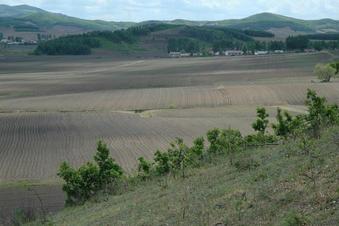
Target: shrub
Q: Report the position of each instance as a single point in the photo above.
(198, 146)
(196, 151)
(109, 171)
(80, 185)
(231, 142)
(260, 139)
(320, 114)
(282, 128)
(213, 137)
(288, 126)
(179, 156)
(162, 164)
(335, 65)
(260, 125)
(144, 168)
(227, 141)
(293, 219)
(324, 72)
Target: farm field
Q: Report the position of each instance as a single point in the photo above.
(54, 109)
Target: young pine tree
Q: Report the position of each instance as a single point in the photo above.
(260, 125)
(109, 171)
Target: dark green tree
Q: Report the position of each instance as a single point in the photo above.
(162, 163)
(260, 125)
(283, 126)
(109, 171)
(144, 168)
(297, 42)
(83, 183)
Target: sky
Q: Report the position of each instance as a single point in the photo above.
(141, 10)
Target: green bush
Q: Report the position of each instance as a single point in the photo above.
(293, 219)
(144, 168)
(283, 126)
(231, 142)
(178, 153)
(260, 125)
(335, 65)
(109, 171)
(80, 184)
(320, 114)
(198, 147)
(324, 72)
(162, 163)
(213, 137)
(288, 126)
(83, 183)
(259, 139)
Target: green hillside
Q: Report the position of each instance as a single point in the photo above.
(173, 38)
(23, 15)
(271, 192)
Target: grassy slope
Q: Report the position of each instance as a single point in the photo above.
(274, 193)
(46, 19)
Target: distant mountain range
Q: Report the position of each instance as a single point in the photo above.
(26, 21)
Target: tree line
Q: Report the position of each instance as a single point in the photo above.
(83, 43)
(105, 174)
(190, 39)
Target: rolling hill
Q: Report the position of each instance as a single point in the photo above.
(268, 21)
(25, 21)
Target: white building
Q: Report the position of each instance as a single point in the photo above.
(260, 53)
(175, 54)
(4, 40)
(234, 53)
(185, 54)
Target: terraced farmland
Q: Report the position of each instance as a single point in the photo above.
(55, 109)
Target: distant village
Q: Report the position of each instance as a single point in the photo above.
(14, 40)
(229, 53)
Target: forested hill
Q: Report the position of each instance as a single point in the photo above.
(155, 37)
(157, 40)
